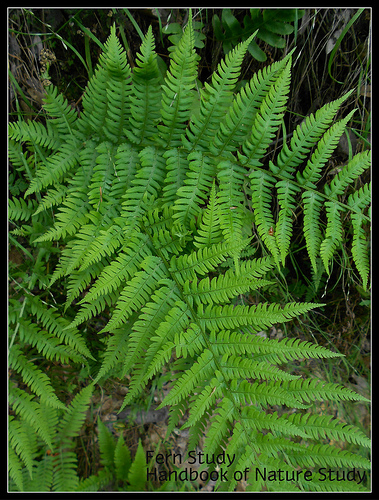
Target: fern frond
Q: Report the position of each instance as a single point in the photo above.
(304, 137)
(310, 390)
(215, 100)
(262, 394)
(59, 327)
(145, 103)
(53, 198)
(199, 178)
(231, 201)
(79, 281)
(98, 482)
(261, 191)
(145, 186)
(239, 120)
(116, 347)
(201, 261)
(136, 475)
(159, 351)
(107, 445)
(355, 167)
(106, 243)
(326, 456)
(259, 316)
(63, 115)
(325, 426)
(15, 469)
(284, 226)
(176, 167)
(203, 367)
(219, 289)
(137, 292)
(177, 90)
(221, 425)
(176, 319)
(325, 148)
(21, 444)
(32, 376)
(236, 367)
(19, 209)
(209, 230)
(122, 459)
(333, 233)
(267, 120)
(47, 344)
(359, 201)
(273, 351)
(258, 420)
(24, 404)
(203, 402)
(123, 267)
(35, 133)
(106, 102)
(65, 476)
(53, 169)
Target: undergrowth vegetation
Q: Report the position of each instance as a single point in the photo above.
(188, 232)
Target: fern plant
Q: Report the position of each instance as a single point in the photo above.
(156, 210)
(118, 471)
(42, 447)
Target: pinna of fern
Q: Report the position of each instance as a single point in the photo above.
(156, 199)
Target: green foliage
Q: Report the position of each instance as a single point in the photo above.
(118, 471)
(272, 25)
(117, 465)
(155, 209)
(55, 468)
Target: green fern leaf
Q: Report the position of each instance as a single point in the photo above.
(147, 95)
(64, 116)
(304, 137)
(325, 148)
(112, 78)
(267, 120)
(176, 95)
(32, 376)
(359, 200)
(137, 471)
(312, 231)
(122, 459)
(198, 180)
(107, 445)
(21, 444)
(240, 118)
(325, 426)
(23, 404)
(209, 230)
(215, 100)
